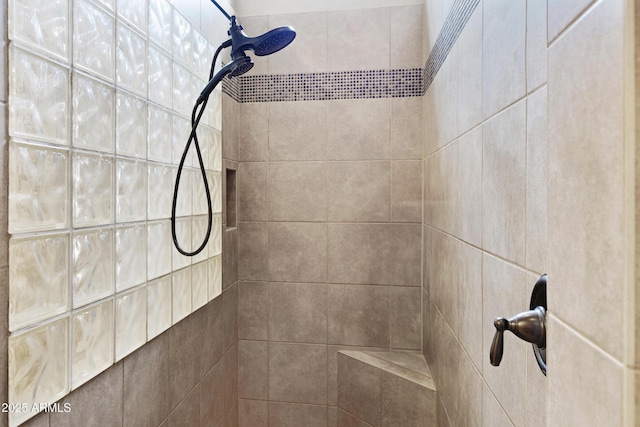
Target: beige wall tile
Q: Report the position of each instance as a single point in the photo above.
(359, 191)
(252, 191)
(469, 296)
(298, 191)
(492, 414)
(253, 369)
(230, 317)
(405, 311)
(469, 394)
(358, 315)
(470, 187)
(406, 36)
(353, 135)
(230, 383)
(253, 310)
(470, 72)
(298, 312)
(443, 189)
(587, 233)
(211, 397)
(562, 13)
(503, 54)
(445, 102)
(503, 295)
(187, 412)
(294, 415)
(406, 191)
(253, 251)
(298, 373)
(253, 132)
(345, 419)
(384, 254)
(308, 52)
(407, 128)
(253, 413)
(298, 131)
(442, 264)
(298, 252)
(229, 257)
(406, 403)
(536, 44)
(504, 184)
(332, 368)
(230, 115)
(359, 389)
(578, 393)
(354, 34)
(537, 245)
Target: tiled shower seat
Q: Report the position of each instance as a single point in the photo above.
(385, 389)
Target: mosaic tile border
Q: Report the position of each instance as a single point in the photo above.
(366, 84)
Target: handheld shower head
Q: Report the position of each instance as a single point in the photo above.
(265, 44)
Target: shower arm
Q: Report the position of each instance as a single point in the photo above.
(224, 12)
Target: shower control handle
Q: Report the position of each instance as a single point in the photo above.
(528, 326)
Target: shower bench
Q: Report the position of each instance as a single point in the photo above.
(385, 389)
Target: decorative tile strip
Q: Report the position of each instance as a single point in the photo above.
(398, 83)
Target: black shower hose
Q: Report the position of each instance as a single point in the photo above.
(196, 115)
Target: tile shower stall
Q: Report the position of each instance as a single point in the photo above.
(391, 182)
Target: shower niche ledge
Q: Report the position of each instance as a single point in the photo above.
(385, 389)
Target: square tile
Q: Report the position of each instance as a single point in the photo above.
(301, 372)
(131, 191)
(93, 121)
(92, 260)
(297, 252)
(131, 321)
(159, 249)
(43, 26)
(92, 342)
(131, 126)
(160, 134)
(131, 256)
(93, 39)
(181, 290)
(298, 312)
(93, 178)
(131, 60)
(159, 303)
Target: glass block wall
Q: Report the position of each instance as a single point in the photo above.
(100, 97)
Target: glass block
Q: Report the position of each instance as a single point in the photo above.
(38, 279)
(160, 77)
(131, 256)
(131, 126)
(183, 234)
(160, 20)
(92, 266)
(131, 321)
(92, 342)
(198, 232)
(38, 367)
(93, 120)
(200, 206)
(43, 25)
(183, 98)
(160, 191)
(131, 54)
(131, 192)
(181, 290)
(181, 132)
(160, 135)
(93, 38)
(38, 188)
(202, 55)
(199, 285)
(134, 12)
(159, 303)
(109, 4)
(182, 39)
(185, 192)
(159, 249)
(92, 190)
(215, 277)
(215, 248)
(38, 98)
